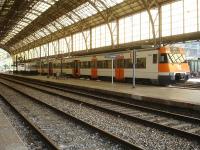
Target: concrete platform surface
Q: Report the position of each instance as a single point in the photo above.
(9, 139)
(185, 98)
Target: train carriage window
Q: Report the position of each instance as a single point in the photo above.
(58, 65)
(82, 65)
(54, 65)
(163, 58)
(108, 64)
(100, 64)
(64, 65)
(128, 63)
(85, 64)
(68, 65)
(77, 64)
(155, 58)
(141, 63)
(114, 64)
(72, 64)
(89, 64)
(121, 63)
(93, 64)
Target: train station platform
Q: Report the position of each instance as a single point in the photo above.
(184, 98)
(9, 139)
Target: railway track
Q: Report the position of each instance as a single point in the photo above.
(185, 126)
(48, 108)
(50, 143)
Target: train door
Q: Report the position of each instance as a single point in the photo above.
(119, 68)
(94, 68)
(76, 68)
(50, 68)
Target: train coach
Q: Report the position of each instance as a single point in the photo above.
(158, 66)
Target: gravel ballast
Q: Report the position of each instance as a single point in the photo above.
(29, 137)
(145, 136)
(67, 134)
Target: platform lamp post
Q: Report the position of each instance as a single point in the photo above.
(112, 69)
(134, 62)
(40, 62)
(112, 57)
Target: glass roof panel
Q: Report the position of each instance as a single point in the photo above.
(41, 33)
(74, 17)
(110, 3)
(16, 29)
(65, 21)
(31, 15)
(22, 23)
(33, 11)
(99, 5)
(46, 31)
(57, 24)
(81, 12)
(50, 1)
(85, 10)
(27, 20)
(26, 41)
(30, 38)
(41, 6)
(51, 27)
(37, 35)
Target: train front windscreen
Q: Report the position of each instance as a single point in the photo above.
(172, 58)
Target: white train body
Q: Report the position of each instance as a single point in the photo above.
(152, 65)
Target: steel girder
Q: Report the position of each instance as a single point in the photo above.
(106, 16)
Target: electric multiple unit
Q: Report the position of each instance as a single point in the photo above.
(160, 66)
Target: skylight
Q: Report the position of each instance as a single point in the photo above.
(31, 15)
(82, 12)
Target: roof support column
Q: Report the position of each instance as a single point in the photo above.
(160, 25)
(85, 37)
(72, 45)
(90, 38)
(106, 18)
(117, 25)
(67, 44)
(40, 60)
(48, 59)
(147, 5)
(198, 15)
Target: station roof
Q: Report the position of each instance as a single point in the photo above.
(25, 21)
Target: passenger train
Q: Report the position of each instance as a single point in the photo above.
(158, 66)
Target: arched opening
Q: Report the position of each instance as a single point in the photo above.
(6, 62)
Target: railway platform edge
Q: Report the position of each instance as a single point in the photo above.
(183, 98)
(9, 139)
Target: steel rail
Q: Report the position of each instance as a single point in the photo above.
(80, 121)
(51, 144)
(142, 121)
(118, 102)
(146, 122)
